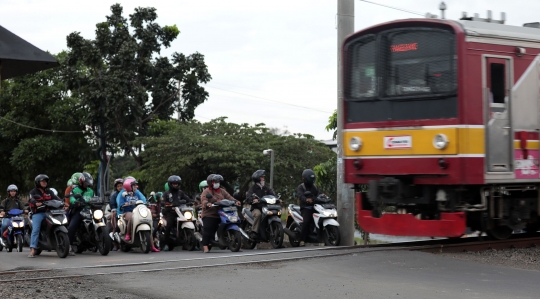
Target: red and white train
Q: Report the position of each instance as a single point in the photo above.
(442, 121)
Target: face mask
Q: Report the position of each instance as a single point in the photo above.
(216, 185)
(262, 183)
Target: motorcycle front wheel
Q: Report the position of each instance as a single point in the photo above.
(20, 243)
(191, 241)
(235, 240)
(332, 236)
(276, 240)
(62, 244)
(104, 241)
(295, 242)
(144, 237)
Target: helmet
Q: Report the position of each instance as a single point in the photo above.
(39, 178)
(202, 185)
(118, 181)
(69, 183)
(217, 177)
(159, 195)
(128, 184)
(166, 187)
(75, 177)
(256, 177)
(129, 177)
(87, 179)
(12, 187)
(308, 177)
(209, 179)
(174, 179)
(54, 191)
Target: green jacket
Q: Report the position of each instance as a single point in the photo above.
(89, 193)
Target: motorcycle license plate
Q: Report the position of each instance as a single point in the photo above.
(17, 219)
(56, 212)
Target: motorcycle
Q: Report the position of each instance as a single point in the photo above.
(270, 228)
(93, 234)
(326, 228)
(141, 227)
(53, 234)
(15, 231)
(184, 232)
(228, 233)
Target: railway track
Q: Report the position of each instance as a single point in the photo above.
(432, 246)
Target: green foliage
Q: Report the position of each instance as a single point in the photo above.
(194, 150)
(41, 100)
(125, 84)
(92, 168)
(332, 124)
(326, 173)
(122, 166)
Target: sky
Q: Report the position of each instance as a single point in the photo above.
(272, 62)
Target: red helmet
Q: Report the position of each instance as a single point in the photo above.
(128, 184)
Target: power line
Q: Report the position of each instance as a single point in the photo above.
(282, 103)
(396, 8)
(39, 129)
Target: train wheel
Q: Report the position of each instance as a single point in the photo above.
(500, 232)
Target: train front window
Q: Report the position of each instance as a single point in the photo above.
(361, 83)
(419, 62)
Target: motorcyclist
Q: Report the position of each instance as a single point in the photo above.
(80, 195)
(130, 192)
(202, 185)
(260, 190)
(170, 200)
(11, 202)
(71, 184)
(306, 203)
(155, 208)
(42, 193)
(210, 216)
(117, 187)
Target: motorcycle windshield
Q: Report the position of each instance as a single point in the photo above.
(15, 212)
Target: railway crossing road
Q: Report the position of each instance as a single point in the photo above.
(327, 273)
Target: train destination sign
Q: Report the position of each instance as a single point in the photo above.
(397, 142)
(404, 47)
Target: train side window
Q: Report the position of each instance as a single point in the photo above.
(498, 83)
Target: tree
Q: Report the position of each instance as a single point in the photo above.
(194, 150)
(332, 124)
(40, 130)
(123, 82)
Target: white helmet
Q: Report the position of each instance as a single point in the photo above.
(54, 191)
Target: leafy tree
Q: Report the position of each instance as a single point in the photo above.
(332, 124)
(326, 173)
(42, 101)
(125, 84)
(194, 150)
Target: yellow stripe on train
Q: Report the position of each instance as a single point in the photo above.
(415, 142)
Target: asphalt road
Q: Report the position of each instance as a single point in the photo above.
(341, 273)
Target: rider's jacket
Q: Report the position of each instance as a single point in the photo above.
(260, 192)
(85, 193)
(124, 196)
(45, 195)
(300, 193)
(173, 197)
(11, 203)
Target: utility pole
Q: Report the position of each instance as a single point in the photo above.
(345, 195)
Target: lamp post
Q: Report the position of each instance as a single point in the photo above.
(271, 153)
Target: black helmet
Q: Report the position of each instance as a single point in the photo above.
(209, 179)
(217, 177)
(174, 179)
(256, 177)
(87, 179)
(118, 181)
(39, 178)
(308, 177)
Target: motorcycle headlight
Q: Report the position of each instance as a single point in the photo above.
(98, 214)
(143, 212)
(55, 221)
(188, 215)
(15, 224)
(64, 221)
(160, 222)
(233, 219)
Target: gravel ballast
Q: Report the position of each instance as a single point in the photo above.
(520, 258)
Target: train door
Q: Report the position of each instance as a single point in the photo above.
(498, 98)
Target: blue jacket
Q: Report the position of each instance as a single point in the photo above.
(121, 200)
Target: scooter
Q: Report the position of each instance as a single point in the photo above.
(141, 228)
(184, 232)
(270, 228)
(53, 234)
(15, 231)
(93, 234)
(228, 233)
(325, 218)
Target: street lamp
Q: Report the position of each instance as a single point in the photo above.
(271, 153)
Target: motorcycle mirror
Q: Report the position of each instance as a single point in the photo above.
(209, 196)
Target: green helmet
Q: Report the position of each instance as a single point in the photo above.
(203, 184)
(75, 177)
(159, 194)
(166, 186)
(69, 182)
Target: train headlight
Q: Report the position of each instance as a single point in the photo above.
(440, 141)
(355, 143)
